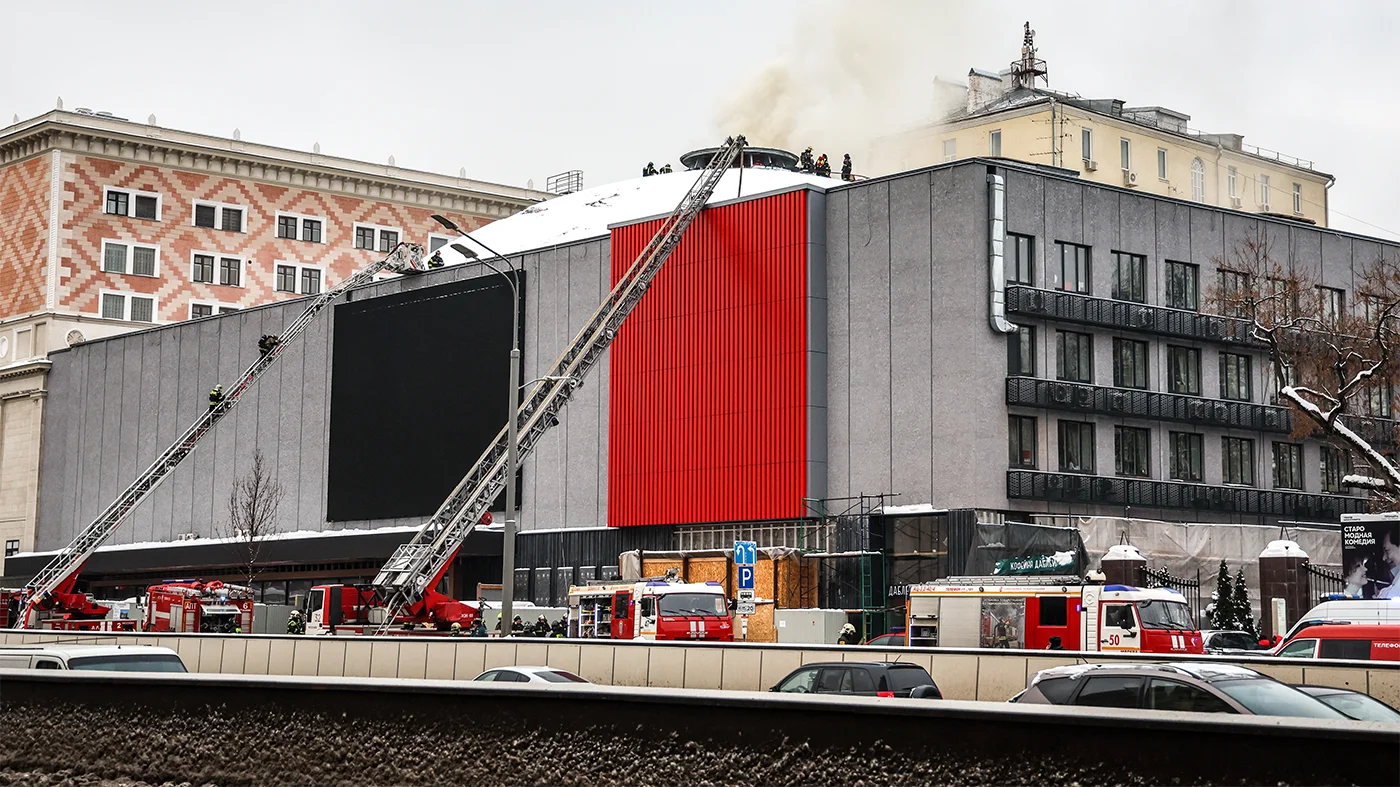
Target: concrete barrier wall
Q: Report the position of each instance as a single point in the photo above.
(961, 674)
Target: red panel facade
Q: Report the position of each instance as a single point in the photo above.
(708, 390)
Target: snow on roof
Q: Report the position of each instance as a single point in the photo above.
(915, 508)
(289, 536)
(587, 214)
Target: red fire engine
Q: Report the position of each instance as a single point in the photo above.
(652, 609)
(203, 607)
(67, 610)
(1025, 612)
(348, 609)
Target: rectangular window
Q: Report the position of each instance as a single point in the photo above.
(1184, 370)
(1020, 268)
(1125, 153)
(227, 309)
(1378, 400)
(1288, 466)
(203, 269)
(1333, 469)
(120, 306)
(1161, 163)
(950, 149)
(1298, 199)
(134, 204)
(1021, 359)
(1232, 181)
(232, 220)
(1237, 460)
(198, 310)
(1333, 303)
(1235, 377)
(1076, 447)
(1074, 359)
(1086, 144)
(1235, 293)
(142, 309)
(1074, 267)
(147, 207)
(12, 547)
(1283, 298)
(204, 216)
(364, 238)
(1187, 456)
(1129, 363)
(1264, 192)
(231, 271)
(1131, 451)
(219, 216)
(1022, 441)
(286, 278)
(118, 203)
(113, 258)
(311, 230)
(388, 239)
(1129, 277)
(1183, 285)
(143, 260)
(113, 306)
(310, 281)
(436, 242)
(287, 227)
(994, 144)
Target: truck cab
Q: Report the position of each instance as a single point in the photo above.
(652, 609)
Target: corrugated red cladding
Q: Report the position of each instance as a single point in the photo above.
(708, 376)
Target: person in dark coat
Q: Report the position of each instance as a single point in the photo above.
(848, 636)
(846, 168)
(1055, 644)
(649, 169)
(216, 396)
(804, 161)
(823, 167)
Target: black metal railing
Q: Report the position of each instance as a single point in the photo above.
(1323, 582)
(1127, 316)
(1149, 493)
(1080, 397)
(1190, 589)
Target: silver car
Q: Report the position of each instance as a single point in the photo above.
(528, 675)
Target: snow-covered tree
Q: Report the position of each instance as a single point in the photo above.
(1243, 610)
(1335, 354)
(1222, 613)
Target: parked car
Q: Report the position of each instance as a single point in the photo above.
(528, 675)
(1333, 640)
(1354, 704)
(1367, 612)
(888, 640)
(862, 679)
(104, 658)
(1220, 642)
(1186, 686)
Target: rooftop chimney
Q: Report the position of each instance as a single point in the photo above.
(983, 88)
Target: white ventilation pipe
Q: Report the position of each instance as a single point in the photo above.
(996, 247)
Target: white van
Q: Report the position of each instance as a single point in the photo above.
(1378, 611)
(107, 658)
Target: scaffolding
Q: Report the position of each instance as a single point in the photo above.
(859, 589)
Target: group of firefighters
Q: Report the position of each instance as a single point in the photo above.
(806, 163)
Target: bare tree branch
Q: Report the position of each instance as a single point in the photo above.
(253, 505)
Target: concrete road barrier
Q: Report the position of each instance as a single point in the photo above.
(244, 730)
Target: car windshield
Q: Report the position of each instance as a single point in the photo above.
(155, 662)
(1359, 706)
(903, 678)
(559, 676)
(1172, 615)
(706, 604)
(1235, 639)
(1270, 698)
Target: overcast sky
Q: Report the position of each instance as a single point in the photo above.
(521, 90)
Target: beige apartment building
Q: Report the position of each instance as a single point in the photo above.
(109, 226)
(1149, 148)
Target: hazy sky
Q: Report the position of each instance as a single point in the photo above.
(521, 90)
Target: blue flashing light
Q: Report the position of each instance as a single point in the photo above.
(1172, 590)
(1119, 587)
(712, 582)
(658, 584)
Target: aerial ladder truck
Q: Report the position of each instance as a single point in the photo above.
(405, 590)
(49, 599)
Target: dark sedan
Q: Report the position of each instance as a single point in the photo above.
(862, 679)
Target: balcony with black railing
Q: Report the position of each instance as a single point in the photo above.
(1149, 493)
(1125, 315)
(1083, 398)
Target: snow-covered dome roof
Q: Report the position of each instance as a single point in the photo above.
(588, 213)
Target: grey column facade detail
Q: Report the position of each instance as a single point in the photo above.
(817, 433)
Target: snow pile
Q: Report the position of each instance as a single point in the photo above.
(294, 535)
(916, 508)
(1283, 549)
(588, 213)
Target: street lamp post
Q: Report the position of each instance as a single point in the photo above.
(512, 424)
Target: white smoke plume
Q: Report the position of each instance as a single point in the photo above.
(853, 72)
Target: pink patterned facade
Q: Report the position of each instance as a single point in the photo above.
(24, 219)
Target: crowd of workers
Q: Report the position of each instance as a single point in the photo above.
(819, 165)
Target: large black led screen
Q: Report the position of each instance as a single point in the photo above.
(418, 390)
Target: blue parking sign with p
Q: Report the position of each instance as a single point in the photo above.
(746, 577)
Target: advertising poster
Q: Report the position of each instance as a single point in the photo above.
(1371, 555)
(1003, 622)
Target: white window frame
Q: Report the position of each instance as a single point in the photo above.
(1125, 153)
(218, 255)
(131, 195)
(130, 248)
(1086, 143)
(219, 215)
(432, 236)
(950, 149)
(300, 217)
(1297, 199)
(126, 305)
(379, 229)
(1232, 178)
(299, 266)
(1264, 191)
(215, 305)
(1162, 164)
(994, 143)
(1198, 180)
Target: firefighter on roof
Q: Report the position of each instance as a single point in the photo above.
(848, 636)
(823, 166)
(665, 169)
(805, 160)
(435, 261)
(649, 170)
(216, 396)
(846, 168)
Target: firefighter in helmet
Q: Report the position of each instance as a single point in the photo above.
(846, 168)
(517, 626)
(456, 629)
(805, 160)
(823, 166)
(541, 627)
(268, 343)
(478, 628)
(435, 261)
(665, 169)
(848, 636)
(560, 629)
(1001, 633)
(649, 169)
(295, 624)
(216, 396)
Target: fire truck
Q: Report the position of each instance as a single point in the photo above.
(658, 609)
(352, 609)
(1025, 612)
(203, 607)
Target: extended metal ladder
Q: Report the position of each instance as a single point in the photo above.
(404, 258)
(407, 575)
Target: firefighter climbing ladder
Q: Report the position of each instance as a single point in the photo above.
(414, 566)
(405, 258)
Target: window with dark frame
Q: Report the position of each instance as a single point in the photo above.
(1288, 466)
(143, 260)
(1283, 294)
(287, 227)
(1184, 370)
(198, 310)
(1021, 355)
(1333, 461)
(1074, 357)
(1234, 293)
(230, 271)
(1074, 267)
(364, 238)
(203, 269)
(1021, 268)
(1187, 456)
(1131, 451)
(232, 220)
(1129, 363)
(1022, 447)
(388, 239)
(1183, 285)
(1377, 400)
(1333, 303)
(204, 216)
(311, 230)
(310, 281)
(11, 547)
(286, 278)
(1235, 377)
(1237, 460)
(147, 207)
(1129, 277)
(1076, 447)
(117, 203)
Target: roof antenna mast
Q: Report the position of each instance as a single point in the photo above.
(1025, 71)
